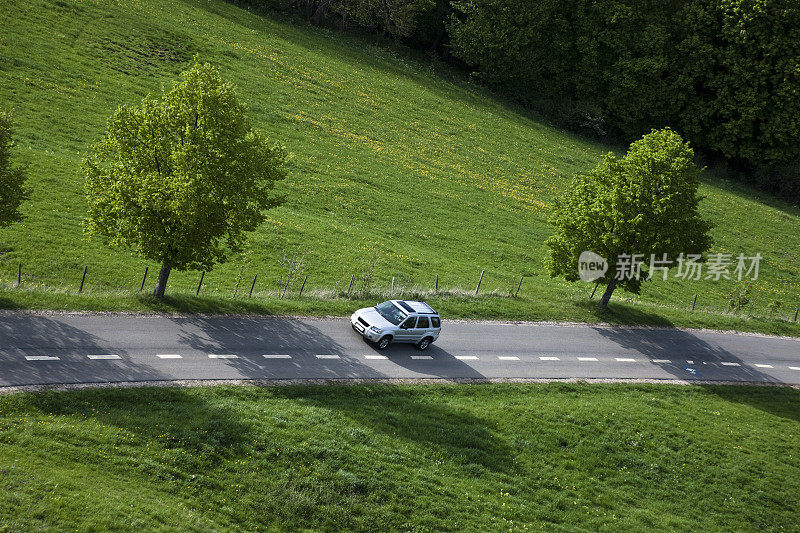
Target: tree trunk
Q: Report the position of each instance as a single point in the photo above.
(161, 284)
(319, 13)
(607, 295)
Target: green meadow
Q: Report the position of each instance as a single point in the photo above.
(551, 457)
(401, 170)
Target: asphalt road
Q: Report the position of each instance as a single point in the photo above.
(49, 349)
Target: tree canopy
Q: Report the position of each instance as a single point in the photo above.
(182, 178)
(12, 177)
(643, 203)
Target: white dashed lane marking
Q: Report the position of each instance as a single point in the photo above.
(667, 361)
(277, 356)
(587, 358)
(508, 357)
(417, 357)
(762, 366)
(222, 356)
(41, 358)
(729, 363)
(375, 357)
(103, 357)
(327, 356)
(549, 359)
(625, 360)
(168, 356)
(794, 368)
(691, 362)
(466, 357)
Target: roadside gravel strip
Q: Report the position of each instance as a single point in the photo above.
(359, 381)
(44, 349)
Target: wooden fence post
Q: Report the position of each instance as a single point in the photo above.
(595, 289)
(253, 285)
(351, 285)
(303, 286)
(795, 314)
(200, 284)
(80, 290)
(144, 278)
(19, 274)
(437, 283)
(694, 302)
(392, 293)
(519, 286)
(479, 283)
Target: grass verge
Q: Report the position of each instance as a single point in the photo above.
(413, 458)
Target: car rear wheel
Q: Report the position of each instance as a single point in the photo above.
(383, 342)
(424, 343)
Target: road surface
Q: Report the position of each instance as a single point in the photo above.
(66, 348)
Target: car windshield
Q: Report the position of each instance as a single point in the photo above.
(390, 312)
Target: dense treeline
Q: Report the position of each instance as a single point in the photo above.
(724, 73)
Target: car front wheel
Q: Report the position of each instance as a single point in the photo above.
(424, 343)
(383, 342)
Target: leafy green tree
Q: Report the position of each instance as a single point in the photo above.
(397, 18)
(644, 203)
(183, 177)
(12, 178)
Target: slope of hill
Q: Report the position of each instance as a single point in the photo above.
(398, 173)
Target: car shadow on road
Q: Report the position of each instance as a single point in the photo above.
(442, 364)
(31, 335)
(681, 346)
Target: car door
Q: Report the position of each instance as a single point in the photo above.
(422, 329)
(405, 333)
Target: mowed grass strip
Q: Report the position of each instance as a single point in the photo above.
(414, 458)
(399, 170)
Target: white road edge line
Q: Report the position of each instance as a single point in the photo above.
(625, 359)
(762, 366)
(276, 356)
(466, 357)
(222, 356)
(587, 358)
(549, 359)
(168, 356)
(794, 368)
(508, 357)
(662, 361)
(729, 363)
(42, 358)
(327, 356)
(375, 357)
(421, 357)
(104, 357)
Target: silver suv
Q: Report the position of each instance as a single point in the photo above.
(398, 321)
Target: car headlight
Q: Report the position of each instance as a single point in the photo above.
(374, 329)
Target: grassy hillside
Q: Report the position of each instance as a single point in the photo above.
(397, 170)
(433, 458)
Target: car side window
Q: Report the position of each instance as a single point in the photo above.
(422, 323)
(435, 322)
(409, 323)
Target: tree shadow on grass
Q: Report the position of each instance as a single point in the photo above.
(182, 303)
(458, 435)
(170, 417)
(7, 303)
(621, 314)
